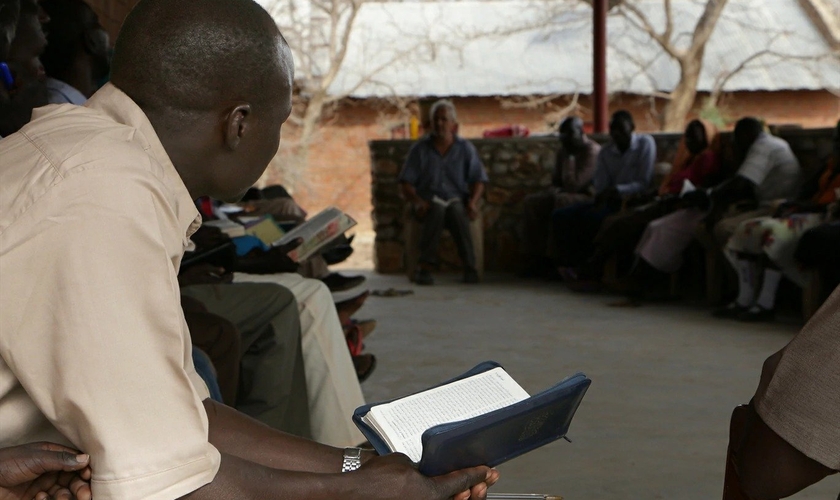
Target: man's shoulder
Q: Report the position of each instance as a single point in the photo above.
(466, 144)
(68, 142)
(646, 141)
(770, 142)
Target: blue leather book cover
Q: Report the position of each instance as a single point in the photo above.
(495, 437)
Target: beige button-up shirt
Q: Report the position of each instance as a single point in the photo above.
(94, 350)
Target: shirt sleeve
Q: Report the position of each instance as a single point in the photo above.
(802, 403)
(475, 169)
(644, 168)
(102, 347)
(756, 165)
(413, 163)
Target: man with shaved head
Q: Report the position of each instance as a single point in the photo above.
(96, 209)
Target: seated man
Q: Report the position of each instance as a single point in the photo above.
(624, 169)
(570, 182)
(443, 179)
(762, 249)
(768, 172)
(96, 209)
(76, 58)
(790, 438)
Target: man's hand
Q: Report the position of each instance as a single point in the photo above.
(394, 476)
(44, 471)
(204, 274)
(274, 260)
(421, 208)
(472, 210)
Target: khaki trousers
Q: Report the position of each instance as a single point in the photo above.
(332, 384)
(272, 385)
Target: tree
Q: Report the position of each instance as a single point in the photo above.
(690, 58)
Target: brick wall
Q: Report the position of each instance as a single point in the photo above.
(516, 167)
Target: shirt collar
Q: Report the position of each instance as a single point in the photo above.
(114, 103)
(70, 93)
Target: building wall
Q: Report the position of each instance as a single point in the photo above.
(338, 171)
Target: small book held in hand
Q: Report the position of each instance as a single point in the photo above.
(317, 232)
(482, 417)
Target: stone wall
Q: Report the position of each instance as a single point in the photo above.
(516, 168)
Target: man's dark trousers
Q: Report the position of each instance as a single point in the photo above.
(453, 218)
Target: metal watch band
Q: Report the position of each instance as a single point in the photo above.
(352, 459)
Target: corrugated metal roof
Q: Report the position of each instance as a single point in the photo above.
(444, 49)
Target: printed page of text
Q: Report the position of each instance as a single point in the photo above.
(403, 422)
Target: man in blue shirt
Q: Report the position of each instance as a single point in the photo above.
(443, 179)
(624, 169)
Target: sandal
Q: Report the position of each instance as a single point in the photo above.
(353, 335)
(364, 364)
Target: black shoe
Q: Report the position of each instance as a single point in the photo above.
(757, 314)
(423, 277)
(337, 254)
(729, 311)
(339, 283)
(471, 276)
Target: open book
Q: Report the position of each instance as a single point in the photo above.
(481, 418)
(317, 232)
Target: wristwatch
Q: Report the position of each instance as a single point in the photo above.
(352, 459)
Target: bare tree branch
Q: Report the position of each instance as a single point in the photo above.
(635, 16)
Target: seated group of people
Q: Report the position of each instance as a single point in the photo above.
(770, 217)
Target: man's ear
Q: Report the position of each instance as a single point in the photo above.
(236, 124)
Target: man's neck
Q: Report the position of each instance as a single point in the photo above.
(443, 143)
(177, 148)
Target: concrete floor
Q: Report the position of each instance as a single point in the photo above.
(665, 378)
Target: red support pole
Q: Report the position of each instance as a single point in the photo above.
(599, 64)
